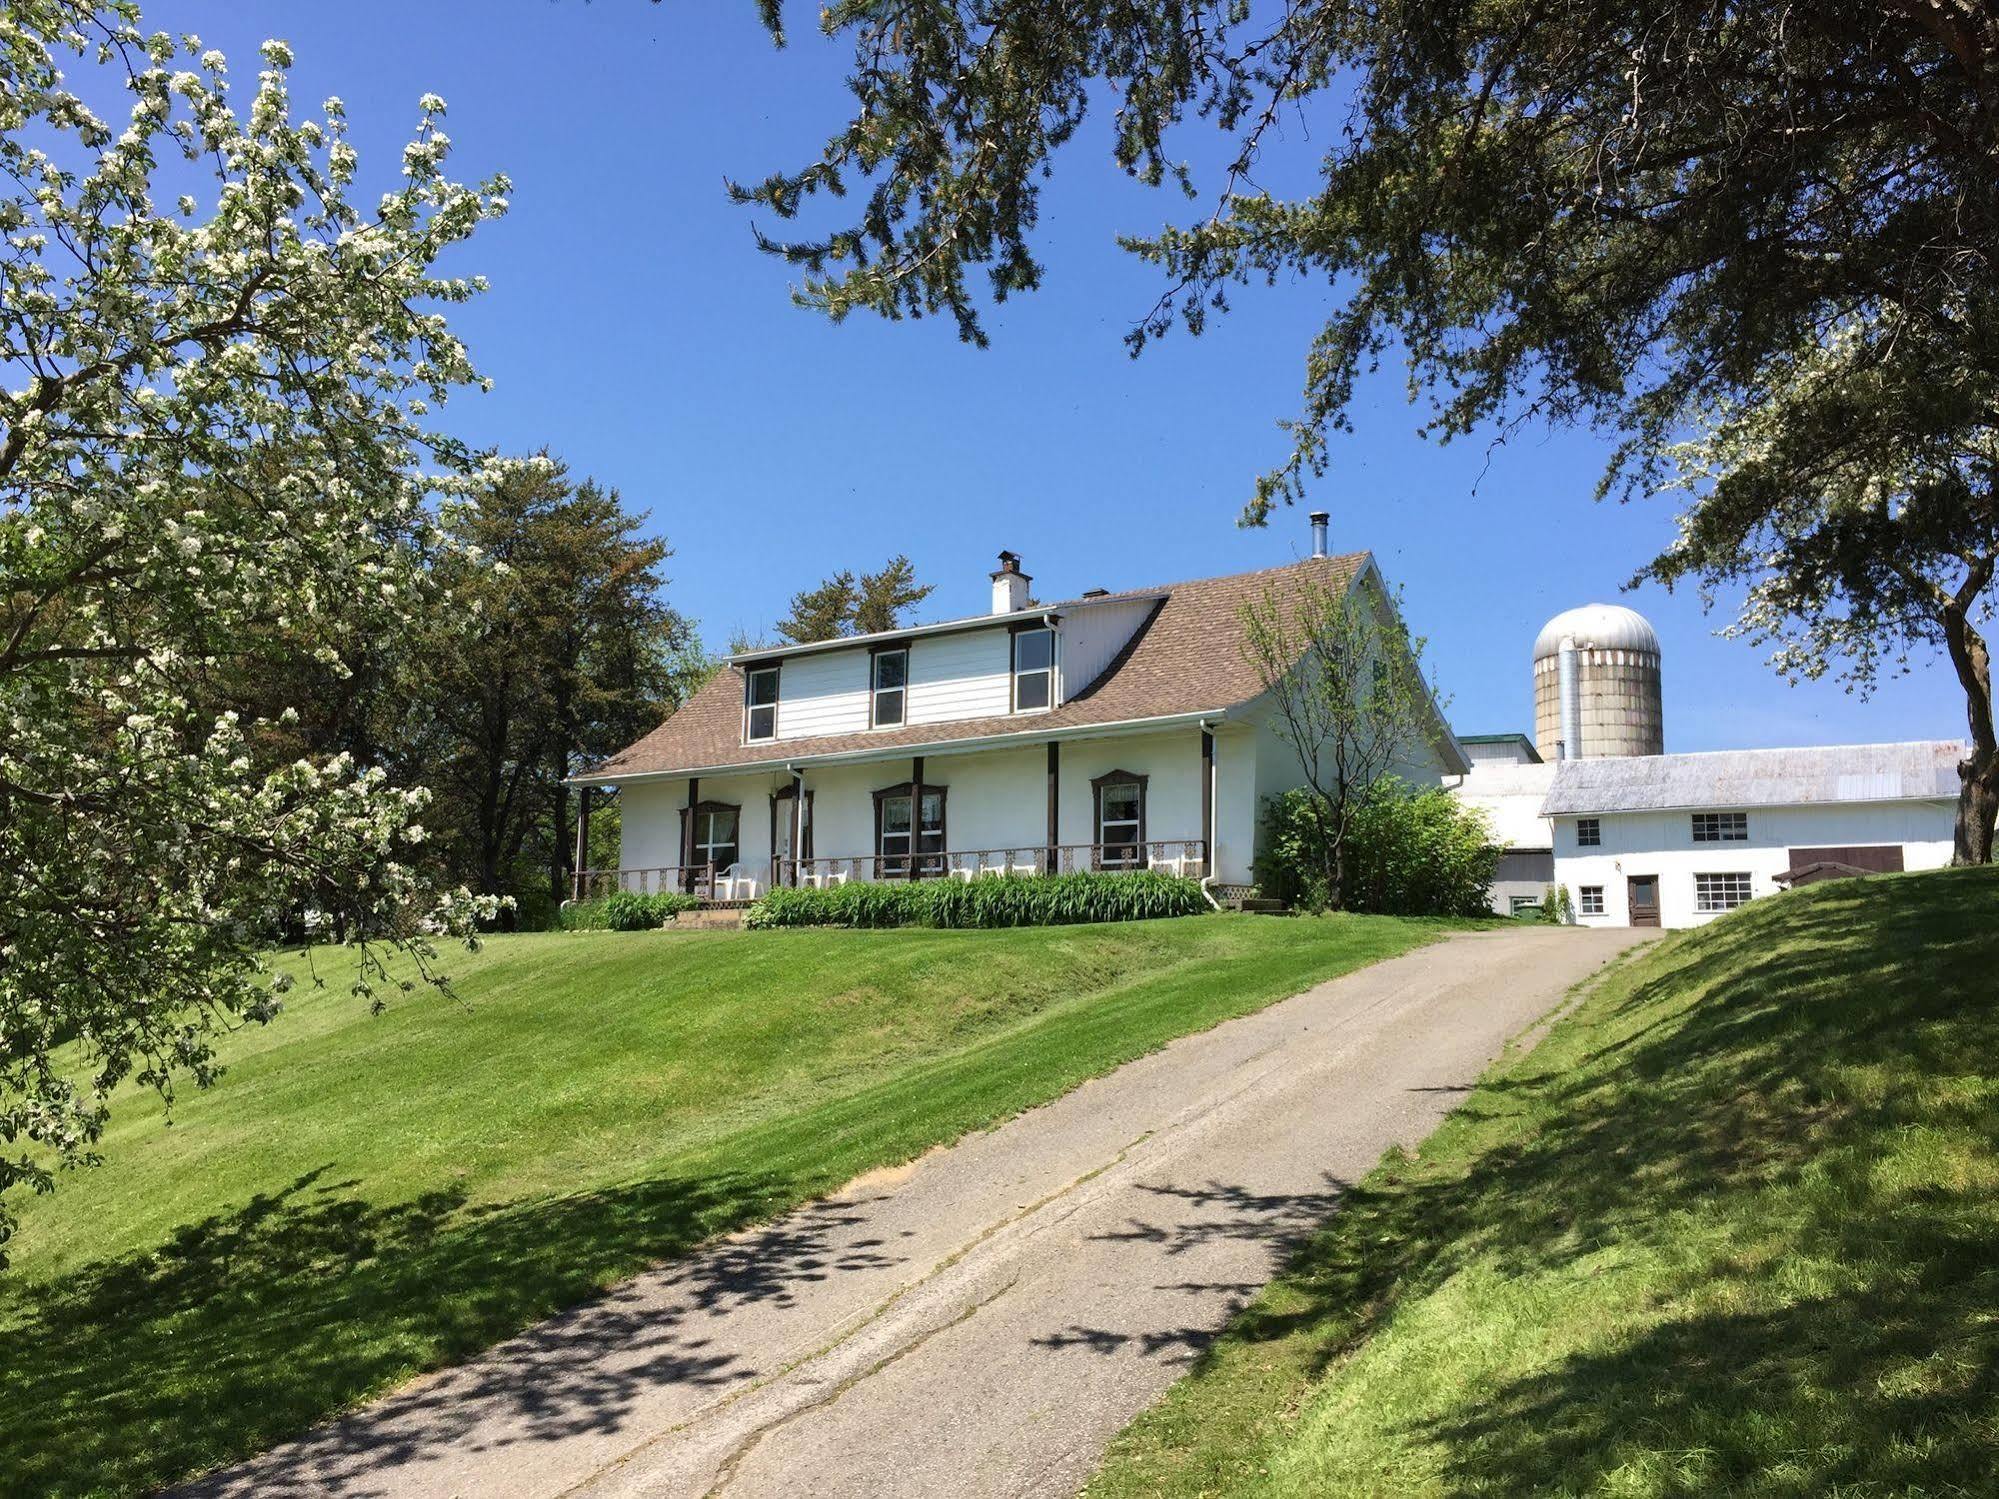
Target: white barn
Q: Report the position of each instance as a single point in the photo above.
(1676, 840)
(1106, 731)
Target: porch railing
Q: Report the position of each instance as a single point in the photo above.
(1187, 856)
(1183, 856)
(686, 879)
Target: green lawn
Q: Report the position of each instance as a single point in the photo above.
(365, 1197)
(1734, 1227)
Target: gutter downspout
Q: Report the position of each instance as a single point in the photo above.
(1211, 878)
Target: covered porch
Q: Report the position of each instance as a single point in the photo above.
(1107, 802)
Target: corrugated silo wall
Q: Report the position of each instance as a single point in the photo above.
(1622, 712)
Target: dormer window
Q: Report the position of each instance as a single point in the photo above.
(760, 703)
(1033, 669)
(890, 687)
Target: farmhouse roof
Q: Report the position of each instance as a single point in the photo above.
(1920, 770)
(1185, 658)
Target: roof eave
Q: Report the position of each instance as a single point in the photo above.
(968, 745)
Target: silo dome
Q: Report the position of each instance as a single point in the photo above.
(1610, 627)
(1616, 704)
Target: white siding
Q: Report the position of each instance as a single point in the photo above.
(960, 676)
(823, 694)
(1661, 844)
(1091, 635)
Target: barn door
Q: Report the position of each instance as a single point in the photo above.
(1642, 899)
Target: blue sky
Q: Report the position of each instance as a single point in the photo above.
(634, 329)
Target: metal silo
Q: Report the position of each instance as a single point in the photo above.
(1596, 685)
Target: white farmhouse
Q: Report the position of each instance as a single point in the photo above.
(1676, 840)
(1111, 730)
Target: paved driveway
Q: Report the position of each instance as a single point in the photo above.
(983, 1322)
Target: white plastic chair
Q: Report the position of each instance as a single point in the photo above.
(737, 883)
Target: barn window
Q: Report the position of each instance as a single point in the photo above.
(1589, 832)
(1720, 892)
(1033, 669)
(1721, 827)
(760, 703)
(1589, 900)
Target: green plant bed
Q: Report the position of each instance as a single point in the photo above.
(993, 901)
(1732, 1228)
(625, 911)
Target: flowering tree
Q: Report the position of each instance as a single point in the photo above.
(212, 431)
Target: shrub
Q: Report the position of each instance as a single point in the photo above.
(1408, 853)
(1556, 907)
(991, 901)
(625, 911)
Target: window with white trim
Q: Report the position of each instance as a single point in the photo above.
(1720, 892)
(1033, 670)
(1518, 903)
(1589, 900)
(890, 687)
(1589, 832)
(760, 703)
(1721, 827)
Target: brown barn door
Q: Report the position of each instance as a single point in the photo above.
(1641, 895)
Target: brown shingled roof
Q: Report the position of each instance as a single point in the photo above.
(1185, 658)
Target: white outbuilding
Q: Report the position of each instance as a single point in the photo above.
(1676, 840)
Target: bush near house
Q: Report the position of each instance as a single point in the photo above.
(1035, 900)
(1732, 1228)
(1408, 853)
(626, 911)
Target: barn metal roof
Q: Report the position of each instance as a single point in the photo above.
(1920, 770)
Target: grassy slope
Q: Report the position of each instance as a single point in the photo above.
(1733, 1227)
(364, 1197)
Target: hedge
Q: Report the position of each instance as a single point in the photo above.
(625, 911)
(1408, 853)
(990, 901)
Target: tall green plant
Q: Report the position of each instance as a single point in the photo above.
(1410, 853)
(994, 901)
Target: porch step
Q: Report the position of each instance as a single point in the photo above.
(706, 920)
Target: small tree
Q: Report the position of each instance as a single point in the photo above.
(883, 599)
(1344, 680)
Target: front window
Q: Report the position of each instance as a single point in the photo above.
(760, 704)
(1589, 900)
(1033, 670)
(1120, 819)
(715, 834)
(891, 684)
(1589, 832)
(1721, 827)
(892, 831)
(1720, 892)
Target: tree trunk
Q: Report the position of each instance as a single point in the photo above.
(560, 833)
(1978, 771)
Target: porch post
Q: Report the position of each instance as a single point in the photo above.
(687, 835)
(915, 812)
(797, 826)
(582, 843)
(1054, 801)
(1207, 801)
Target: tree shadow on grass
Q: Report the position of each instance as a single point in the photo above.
(248, 1326)
(1722, 1092)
